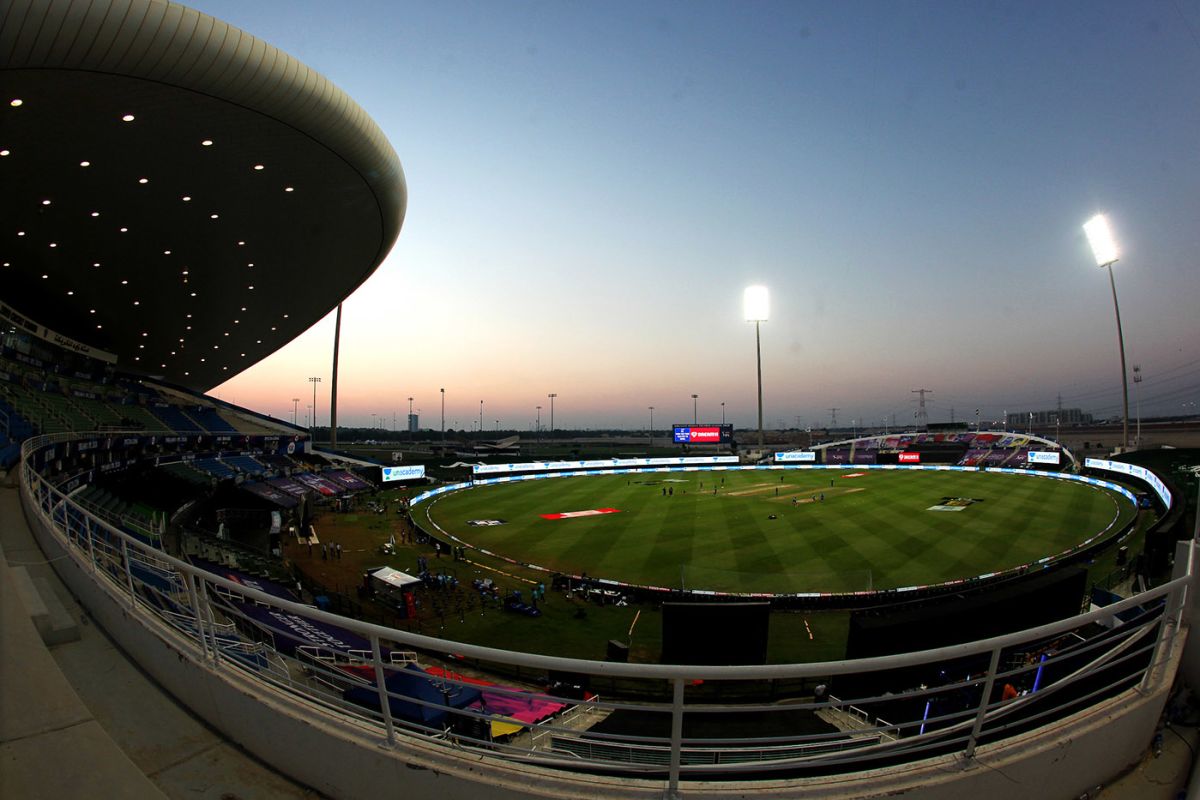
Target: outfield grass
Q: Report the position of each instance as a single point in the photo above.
(874, 531)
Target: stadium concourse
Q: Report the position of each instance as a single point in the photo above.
(154, 159)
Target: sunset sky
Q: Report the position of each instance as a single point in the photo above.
(593, 185)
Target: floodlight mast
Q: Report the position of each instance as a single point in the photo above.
(1104, 248)
(755, 304)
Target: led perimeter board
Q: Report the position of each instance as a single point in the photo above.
(703, 434)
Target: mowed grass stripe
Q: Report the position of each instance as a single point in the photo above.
(878, 522)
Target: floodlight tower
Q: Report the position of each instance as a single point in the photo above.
(295, 409)
(756, 305)
(313, 427)
(695, 421)
(552, 395)
(651, 426)
(1104, 248)
(1137, 382)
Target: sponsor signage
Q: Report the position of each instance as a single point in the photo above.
(1044, 457)
(910, 458)
(408, 472)
(606, 463)
(703, 434)
(797, 455)
(1134, 471)
(573, 514)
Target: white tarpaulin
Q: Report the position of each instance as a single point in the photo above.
(394, 577)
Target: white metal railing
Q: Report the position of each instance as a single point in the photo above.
(364, 680)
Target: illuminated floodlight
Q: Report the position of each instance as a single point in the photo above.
(756, 304)
(1099, 234)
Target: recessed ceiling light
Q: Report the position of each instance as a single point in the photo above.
(20, 233)
(141, 347)
(185, 272)
(272, 327)
(207, 142)
(137, 302)
(127, 118)
(7, 264)
(288, 189)
(4, 152)
(91, 311)
(98, 327)
(85, 163)
(235, 322)
(213, 216)
(241, 244)
(251, 288)
(258, 167)
(45, 202)
(193, 294)
(187, 373)
(70, 293)
(44, 277)
(187, 198)
(96, 264)
(226, 333)
(243, 308)
(216, 347)
(124, 230)
(202, 360)
(145, 333)
(143, 180)
(54, 244)
(188, 328)
(243, 355)
(16, 101)
(285, 316)
(258, 341)
(95, 213)
(123, 283)
(166, 252)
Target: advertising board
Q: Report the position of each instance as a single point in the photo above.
(408, 472)
(803, 456)
(703, 434)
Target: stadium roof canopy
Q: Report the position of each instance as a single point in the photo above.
(177, 193)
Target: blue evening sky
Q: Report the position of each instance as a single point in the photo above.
(592, 185)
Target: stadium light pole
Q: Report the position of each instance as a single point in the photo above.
(295, 409)
(722, 412)
(1137, 397)
(695, 420)
(443, 391)
(552, 395)
(1104, 248)
(481, 416)
(755, 304)
(651, 426)
(312, 430)
(539, 423)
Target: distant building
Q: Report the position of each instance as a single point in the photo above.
(412, 423)
(1059, 416)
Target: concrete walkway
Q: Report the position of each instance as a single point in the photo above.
(80, 720)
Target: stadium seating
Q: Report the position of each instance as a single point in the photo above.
(175, 418)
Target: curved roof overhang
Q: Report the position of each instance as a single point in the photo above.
(177, 192)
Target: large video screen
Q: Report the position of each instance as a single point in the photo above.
(1044, 457)
(703, 434)
(405, 473)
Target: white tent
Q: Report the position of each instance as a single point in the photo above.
(394, 577)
